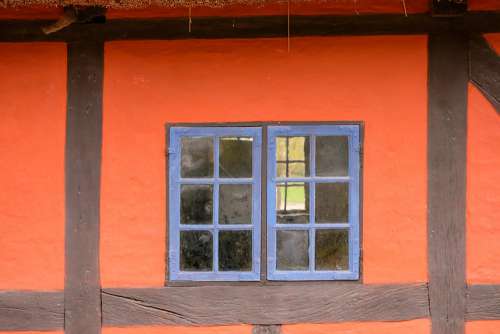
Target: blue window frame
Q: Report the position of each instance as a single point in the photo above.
(199, 182)
(317, 236)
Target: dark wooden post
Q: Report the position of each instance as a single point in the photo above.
(82, 291)
(447, 133)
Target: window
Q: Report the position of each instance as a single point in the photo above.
(214, 199)
(312, 204)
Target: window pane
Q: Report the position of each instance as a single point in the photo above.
(196, 204)
(197, 158)
(292, 156)
(292, 203)
(332, 202)
(332, 156)
(235, 157)
(332, 249)
(196, 251)
(235, 250)
(292, 250)
(235, 205)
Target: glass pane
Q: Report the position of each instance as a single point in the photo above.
(292, 156)
(235, 204)
(292, 203)
(235, 157)
(332, 250)
(197, 158)
(332, 156)
(332, 202)
(196, 251)
(196, 204)
(235, 250)
(292, 250)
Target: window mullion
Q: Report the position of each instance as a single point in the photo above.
(215, 213)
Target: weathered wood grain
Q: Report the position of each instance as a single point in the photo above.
(266, 329)
(82, 293)
(252, 27)
(447, 131)
(483, 302)
(24, 311)
(485, 69)
(264, 305)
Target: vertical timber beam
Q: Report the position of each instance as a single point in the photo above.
(82, 291)
(447, 136)
(266, 329)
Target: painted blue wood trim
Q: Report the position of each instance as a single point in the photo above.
(175, 182)
(352, 132)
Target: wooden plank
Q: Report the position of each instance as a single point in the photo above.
(266, 329)
(483, 302)
(264, 305)
(485, 69)
(252, 27)
(25, 311)
(83, 160)
(447, 130)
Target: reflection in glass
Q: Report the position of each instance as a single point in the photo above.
(235, 204)
(332, 202)
(196, 251)
(332, 156)
(292, 203)
(235, 250)
(235, 157)
(196, 204)
(332, 250)
(292, 250)
(197, 157)
(292, 156)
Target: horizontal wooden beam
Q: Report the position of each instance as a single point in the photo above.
(252, 27)
(264, 305)
(24, 311)
(483, 302)
(259, 305)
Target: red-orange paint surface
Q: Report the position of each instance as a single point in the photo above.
(273, 7)
(494, 41)
(421, 326)
(379, 80)
(240, 329)
(32, 134)
(484, 5)
(483, 194)
(482, 327)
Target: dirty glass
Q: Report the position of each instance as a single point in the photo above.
(196, 204)
(196, 250)
(332, 250)
(332, 203)
(197, 157)
(292, 203)
(235, 157)
(235, 250)
(292, 156)
(332, 156)
(292, 250)
(235, 204)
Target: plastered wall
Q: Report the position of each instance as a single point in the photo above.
(32, 134)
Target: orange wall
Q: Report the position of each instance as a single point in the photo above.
(32, 134)
(421, 326)
(483, 195)
(379, 80)
(483, 327)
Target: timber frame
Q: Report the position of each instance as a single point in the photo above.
(458, 54)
